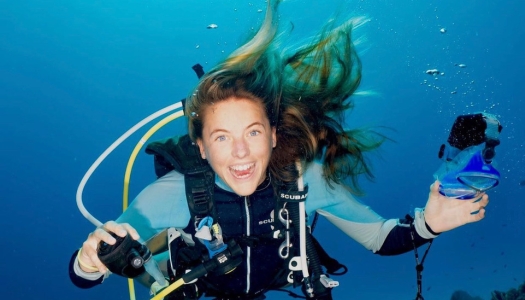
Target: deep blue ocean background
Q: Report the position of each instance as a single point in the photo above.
(75, 75)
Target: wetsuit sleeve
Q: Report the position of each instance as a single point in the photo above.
(160, 205)
(359, 221)
(400, 240)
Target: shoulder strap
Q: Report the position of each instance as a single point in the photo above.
(179, 153)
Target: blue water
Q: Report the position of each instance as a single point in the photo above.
(74, 75)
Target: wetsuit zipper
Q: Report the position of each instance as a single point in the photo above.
(248, 250)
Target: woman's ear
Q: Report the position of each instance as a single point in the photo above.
(201, 148)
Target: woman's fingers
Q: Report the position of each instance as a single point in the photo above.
(89, 255)
(484, 200)
(477, 208)
(434, 187)
(131, 231)
(116, 228)
(101, 234)
(121, 229)
(89, 248)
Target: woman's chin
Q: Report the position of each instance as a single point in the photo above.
(244, 189)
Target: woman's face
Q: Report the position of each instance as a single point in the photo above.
(237, 141)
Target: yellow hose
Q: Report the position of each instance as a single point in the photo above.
(136, 150)
(131, 287)
(127, 175)
(177, 284)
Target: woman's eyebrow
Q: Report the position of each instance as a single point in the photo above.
(255, 124)
(220, 130)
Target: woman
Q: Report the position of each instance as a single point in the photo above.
(253, 117)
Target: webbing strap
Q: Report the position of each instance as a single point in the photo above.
(199, 193)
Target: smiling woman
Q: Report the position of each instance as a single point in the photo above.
(265, 153)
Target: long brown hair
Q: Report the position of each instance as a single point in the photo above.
(305, 91)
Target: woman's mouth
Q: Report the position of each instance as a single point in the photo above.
(242, 171)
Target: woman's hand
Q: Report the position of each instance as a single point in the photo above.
(88, 258)
(443, 213)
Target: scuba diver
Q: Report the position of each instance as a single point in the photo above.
(237, 197)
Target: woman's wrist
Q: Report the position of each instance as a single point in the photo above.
(430, 229)
(84, 266)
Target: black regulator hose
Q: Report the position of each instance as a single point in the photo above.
(320, 291)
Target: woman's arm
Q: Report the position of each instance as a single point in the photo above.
(394, 236)
(359, 221)
(160, 205)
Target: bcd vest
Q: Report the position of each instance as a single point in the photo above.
(248, 221)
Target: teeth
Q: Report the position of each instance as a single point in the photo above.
(241, 167)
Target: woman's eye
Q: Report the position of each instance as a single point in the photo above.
(254, 132)
(221, 138)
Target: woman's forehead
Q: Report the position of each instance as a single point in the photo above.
(234, 112)
(235, 105)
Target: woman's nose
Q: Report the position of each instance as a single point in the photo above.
(240, 148)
